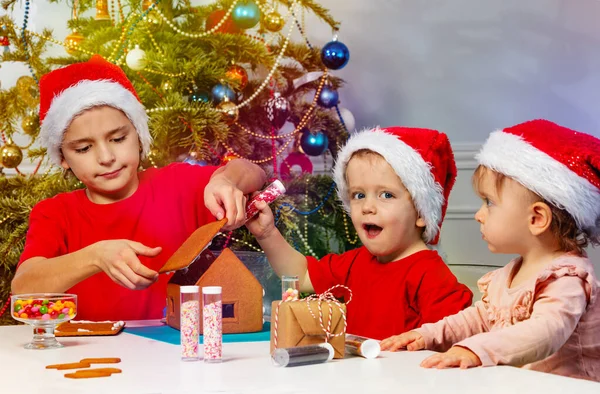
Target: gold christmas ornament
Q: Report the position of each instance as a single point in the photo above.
(230, 112)
(30, 124)
(72, 41)
(136, 59)
(166, 86)
(10, 155)
(273, 22)
(28, 90)
(102, 10)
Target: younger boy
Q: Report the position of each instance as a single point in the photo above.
(395, 184)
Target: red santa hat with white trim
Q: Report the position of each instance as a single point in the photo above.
(67, 92)
(560, 165)
(422, 159)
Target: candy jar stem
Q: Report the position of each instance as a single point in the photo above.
(43, 338)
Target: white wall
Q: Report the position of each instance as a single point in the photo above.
(465, 67)
(461, 240)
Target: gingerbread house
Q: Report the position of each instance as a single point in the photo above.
(242, 293)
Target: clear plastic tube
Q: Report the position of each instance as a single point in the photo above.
(361, 346)
(302, 355)
(212, 320)
(290, 288)
(189, 322)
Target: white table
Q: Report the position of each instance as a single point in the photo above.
(154, 367)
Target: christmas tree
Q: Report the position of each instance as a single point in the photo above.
(219, 81)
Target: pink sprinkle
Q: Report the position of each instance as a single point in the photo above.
(35, 309)
(213, 330)
(45, 316)
(190, 327)
(65, 310)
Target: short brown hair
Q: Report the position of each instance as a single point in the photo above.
(564, 227)
(361, 153)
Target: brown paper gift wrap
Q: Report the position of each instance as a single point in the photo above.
(296, 326)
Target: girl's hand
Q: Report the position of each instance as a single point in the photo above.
(410, 340)
(457, 356)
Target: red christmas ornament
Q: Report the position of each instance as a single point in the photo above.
(4, 41)
(227, 27)
(295, 159)
(238, 75)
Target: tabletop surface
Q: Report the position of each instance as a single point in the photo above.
(151, 366)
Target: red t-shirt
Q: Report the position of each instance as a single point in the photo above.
(391, 298)
(165, 209)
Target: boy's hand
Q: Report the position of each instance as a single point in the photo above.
(410, 340)
(457, 356)
(262, 224)
(118, 259)
(224, 199)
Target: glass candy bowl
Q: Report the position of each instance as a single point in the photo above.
(44, 311)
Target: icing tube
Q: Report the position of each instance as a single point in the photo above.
(268, 195)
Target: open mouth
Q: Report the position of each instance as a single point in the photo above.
(372, 230)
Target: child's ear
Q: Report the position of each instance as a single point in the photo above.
(421, 222)
(63, 163)
(540, 218)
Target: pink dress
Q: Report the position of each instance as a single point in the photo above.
(550, 323)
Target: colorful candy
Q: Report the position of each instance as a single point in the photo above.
(290, 288)
(44, 309)
(290, 295)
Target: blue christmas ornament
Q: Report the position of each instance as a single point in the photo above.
(335, 55)
(328, 98)
(220, 91)
(199, 96)
(314, 144)
(246, 14)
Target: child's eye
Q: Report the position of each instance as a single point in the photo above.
(358, 195)
(386, 195)
(488, 202)
(83, 150)
(120, 139)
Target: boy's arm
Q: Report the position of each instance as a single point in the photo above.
(225, 193)
(117, 258)
(286, 260)
(55, 275)
(246, 176)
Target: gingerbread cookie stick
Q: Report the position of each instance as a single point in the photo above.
(68, 366)
(106, 360)
(87, 374)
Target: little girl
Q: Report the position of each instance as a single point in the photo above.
(540, 186)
